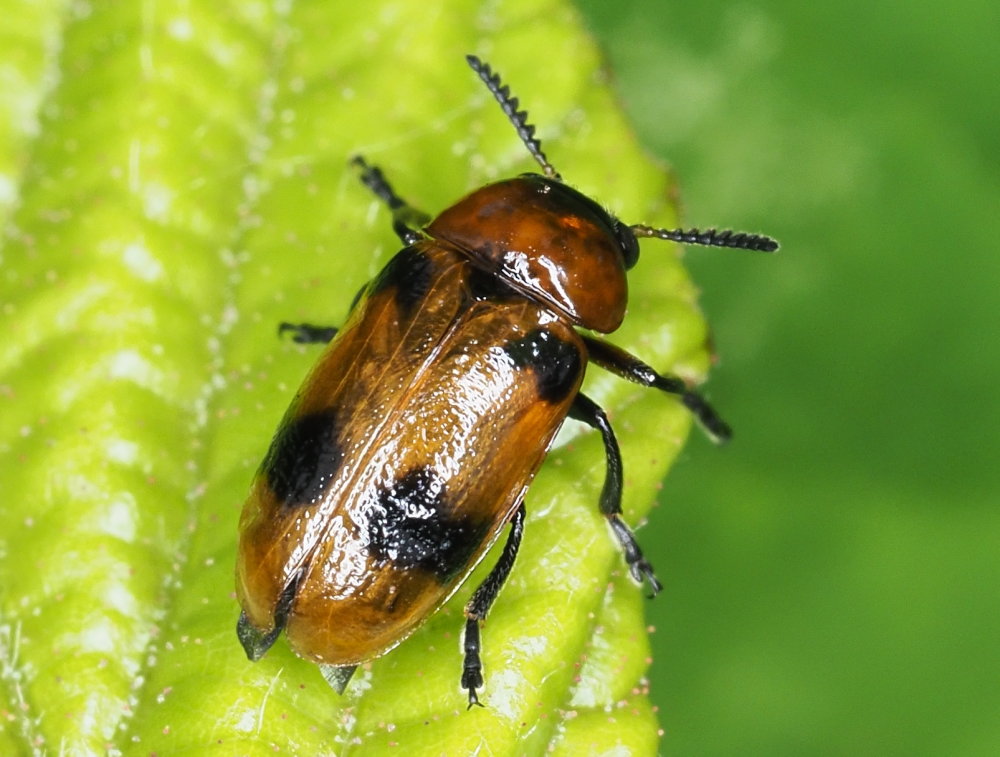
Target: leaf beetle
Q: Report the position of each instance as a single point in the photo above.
(411, 444)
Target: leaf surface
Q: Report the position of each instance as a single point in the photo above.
(179, 185)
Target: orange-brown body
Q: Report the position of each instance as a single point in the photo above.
(411, 444)
(420, 403)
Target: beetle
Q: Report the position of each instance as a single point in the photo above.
(411, 444)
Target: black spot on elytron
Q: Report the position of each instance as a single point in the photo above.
(303, 458)
(412, 525)
(484, 285)
(556, 363)
(410, 273)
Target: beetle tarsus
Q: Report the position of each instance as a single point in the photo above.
(472, 668)
(308, 333)
(406, 220)
(716, 428)
(479, 605)
(587, 411)
(638, 565)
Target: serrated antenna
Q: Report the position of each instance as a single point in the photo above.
(710, 238)
(519, 118)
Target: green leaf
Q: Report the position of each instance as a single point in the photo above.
(186, 188)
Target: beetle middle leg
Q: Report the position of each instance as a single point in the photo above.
(308, 333)
(628, 366)
(587, 411)
(406, 220)
(479, 605)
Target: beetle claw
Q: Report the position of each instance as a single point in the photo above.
(474, 700)
(643, 572)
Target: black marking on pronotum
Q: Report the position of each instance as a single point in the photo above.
(256, 642)
(412, 525)
(410, 273)
(304, 457)
(555, 363)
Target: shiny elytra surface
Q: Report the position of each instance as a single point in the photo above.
(403, 455)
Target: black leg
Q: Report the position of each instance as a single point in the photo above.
(406, 220)
(621, 363)
(587, 411)
(479, 605)
(307, 333)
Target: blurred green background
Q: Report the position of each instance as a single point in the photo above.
(833, 576)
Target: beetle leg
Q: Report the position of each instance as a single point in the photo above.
(307, 333)
(406, 220)
(628, 366)
(587, 411)
(479, 605)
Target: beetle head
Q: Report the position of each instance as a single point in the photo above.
(549, 242)
(552, 243)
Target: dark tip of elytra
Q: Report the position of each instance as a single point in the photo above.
(255, 642)
(338, 676)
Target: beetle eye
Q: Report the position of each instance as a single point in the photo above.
(627, 242)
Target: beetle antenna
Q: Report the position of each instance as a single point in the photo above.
(517, 117)
(710, 238)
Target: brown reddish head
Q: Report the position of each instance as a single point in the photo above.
(550, 243)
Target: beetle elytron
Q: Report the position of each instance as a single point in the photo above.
(413, 440)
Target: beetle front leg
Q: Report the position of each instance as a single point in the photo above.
(479, 605)
(587, 411)
(406, 220)
(628, 366)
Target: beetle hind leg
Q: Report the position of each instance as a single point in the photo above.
(479, 605)
(406, 220)
(587, 411)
